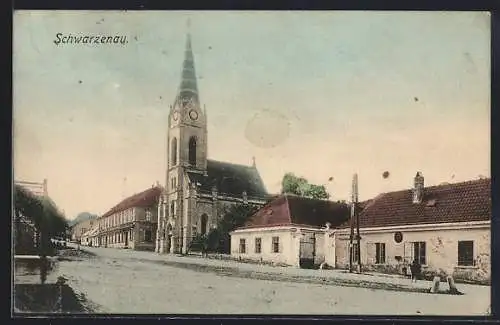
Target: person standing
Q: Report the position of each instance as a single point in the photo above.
(416, 269)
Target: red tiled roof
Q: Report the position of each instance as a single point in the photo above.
(143, 199)
(458, 202)
(289, 210)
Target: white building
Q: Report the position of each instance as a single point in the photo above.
(446, 228)
(288, 230)
(91, 238)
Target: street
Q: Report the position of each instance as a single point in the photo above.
(127, 281)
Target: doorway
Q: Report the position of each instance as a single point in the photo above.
(307, 250)
(169, 238)
(204, 221)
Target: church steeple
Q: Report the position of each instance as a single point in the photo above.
(188, 88)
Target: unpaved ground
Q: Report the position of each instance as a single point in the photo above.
(31, 296)
(122, 281)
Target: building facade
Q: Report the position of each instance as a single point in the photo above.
(91, 237)
(80, 228)
(197, 189)
(132, 223)
(446, 228)
(289, 230)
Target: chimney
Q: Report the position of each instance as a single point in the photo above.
(418, 188)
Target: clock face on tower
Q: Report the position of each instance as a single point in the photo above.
(193, 115)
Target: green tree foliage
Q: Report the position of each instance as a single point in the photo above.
(218, 240)
(42, 212)
(292, 184)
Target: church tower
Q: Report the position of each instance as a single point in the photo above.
(187, 120)
(186, 151)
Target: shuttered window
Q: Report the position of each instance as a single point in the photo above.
(419, 252)
(258, 245)
(276, 245)
(380, 253)
(242, 246)
(466, 253)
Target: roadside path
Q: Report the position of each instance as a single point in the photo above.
(266, 272)
(125, 281)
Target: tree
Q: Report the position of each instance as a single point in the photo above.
(292, 184)
(42, 212)
(218, 239)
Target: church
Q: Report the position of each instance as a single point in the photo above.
(197, 189)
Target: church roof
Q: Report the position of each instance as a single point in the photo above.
(288, 210)
(449, 203)
(188, 88)
(230, 179)
(143, 199)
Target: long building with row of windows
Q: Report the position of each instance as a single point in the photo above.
(132, 223)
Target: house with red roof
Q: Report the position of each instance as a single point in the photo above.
(132, 223)
(288, 230)
(445, 228)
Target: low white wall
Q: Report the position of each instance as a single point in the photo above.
(289, 243)
(288, 253)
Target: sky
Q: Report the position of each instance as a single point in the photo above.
(323, 95)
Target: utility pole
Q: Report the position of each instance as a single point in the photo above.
(351, 220)
(356, 214)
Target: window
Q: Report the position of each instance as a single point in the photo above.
(276, 245)
(173, 152)
(419, 252)
(466, 253)
(258, 245)
(354, 253)
(147, 236)
(192, 151)
(148, 215)
(172, 208)
(194, 231)
(242, 246)
(204, 219)
(380, 253)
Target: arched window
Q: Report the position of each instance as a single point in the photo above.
(192, 151)
(173, 153)
(204, 220)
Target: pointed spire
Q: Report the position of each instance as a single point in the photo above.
(253, 162)
(188, 88)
